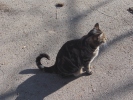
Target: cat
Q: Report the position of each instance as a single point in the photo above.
(75, 56)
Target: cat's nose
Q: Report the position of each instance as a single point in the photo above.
(104, 41)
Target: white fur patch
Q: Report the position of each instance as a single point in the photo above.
(95, 54)
(101, 35)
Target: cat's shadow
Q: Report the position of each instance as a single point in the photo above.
(40, 85)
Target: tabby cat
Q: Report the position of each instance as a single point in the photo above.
(75, 56)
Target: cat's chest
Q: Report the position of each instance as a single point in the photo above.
(95, 53)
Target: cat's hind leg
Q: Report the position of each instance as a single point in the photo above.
(79, 72)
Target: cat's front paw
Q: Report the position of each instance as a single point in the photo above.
(89, 72)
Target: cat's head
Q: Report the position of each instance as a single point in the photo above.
(96, 37)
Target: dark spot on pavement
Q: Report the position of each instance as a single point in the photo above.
(59, 5)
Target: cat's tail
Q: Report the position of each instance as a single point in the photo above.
(41, 67)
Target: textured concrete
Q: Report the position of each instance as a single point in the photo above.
(30, 27)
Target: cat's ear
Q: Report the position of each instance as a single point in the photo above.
(96, 26)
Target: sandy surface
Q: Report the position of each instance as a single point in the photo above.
(31, 27)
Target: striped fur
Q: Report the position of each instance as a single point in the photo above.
(76, 55)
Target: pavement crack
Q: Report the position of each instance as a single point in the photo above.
(113, 17)
(107, 15)
(2, 71)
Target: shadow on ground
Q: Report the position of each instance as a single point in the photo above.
(121, 90)
(40, 85)
(114, 41)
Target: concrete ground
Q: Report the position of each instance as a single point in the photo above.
(31, 27)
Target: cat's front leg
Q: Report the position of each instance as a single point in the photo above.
(88, 69)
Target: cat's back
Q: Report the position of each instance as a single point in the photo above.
(68, 47)
(72, 43)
